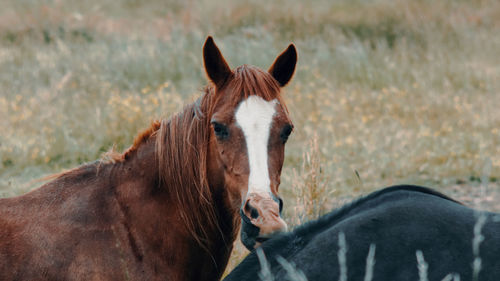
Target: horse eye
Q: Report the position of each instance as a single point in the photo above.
(220, 130)
(285, 132)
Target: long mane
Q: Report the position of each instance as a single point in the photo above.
(182, 155)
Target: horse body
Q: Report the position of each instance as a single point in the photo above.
(166, 209)
(398, 221)
(104, 222)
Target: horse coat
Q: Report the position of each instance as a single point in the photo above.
(399, 221)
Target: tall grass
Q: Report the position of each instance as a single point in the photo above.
(310, 186)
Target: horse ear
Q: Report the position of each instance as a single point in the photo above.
(215, 65)
(283, 66)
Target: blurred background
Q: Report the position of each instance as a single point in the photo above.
(386, 91)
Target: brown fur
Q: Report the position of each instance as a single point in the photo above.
(162, 210)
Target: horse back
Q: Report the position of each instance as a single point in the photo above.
(398, 222)
(51, 232)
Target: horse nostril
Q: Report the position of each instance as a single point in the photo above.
(253, 212)
(280, 203)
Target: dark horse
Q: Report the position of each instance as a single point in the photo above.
(169, 207)
(398, 233)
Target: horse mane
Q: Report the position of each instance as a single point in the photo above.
(113, 156)
(181, 149)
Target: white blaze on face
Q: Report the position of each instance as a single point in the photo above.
(254, 116)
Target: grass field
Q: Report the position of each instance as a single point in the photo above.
(385, 92)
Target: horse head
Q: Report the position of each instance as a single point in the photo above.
(250, 126)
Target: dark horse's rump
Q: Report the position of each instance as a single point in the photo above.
(399, 221)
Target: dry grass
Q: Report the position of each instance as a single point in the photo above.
(395, 91)
(310, 186)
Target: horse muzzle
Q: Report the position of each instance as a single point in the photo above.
(260, 219)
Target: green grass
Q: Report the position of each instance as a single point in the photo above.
(395, 91)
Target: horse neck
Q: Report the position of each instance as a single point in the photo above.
(199, 230)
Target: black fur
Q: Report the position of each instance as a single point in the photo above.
(399, 220)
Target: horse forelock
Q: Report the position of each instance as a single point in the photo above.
(247, 80)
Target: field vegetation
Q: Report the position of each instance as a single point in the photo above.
(386, 91)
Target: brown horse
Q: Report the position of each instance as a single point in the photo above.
(168, 208)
